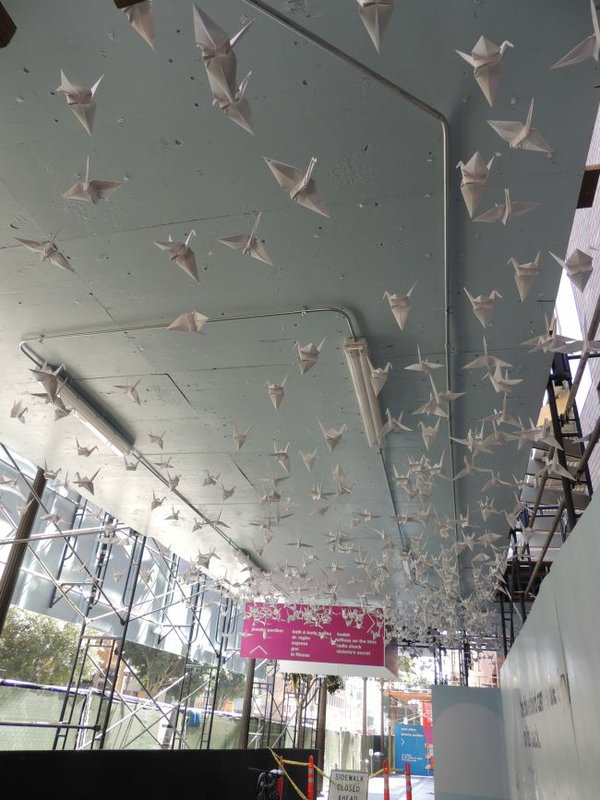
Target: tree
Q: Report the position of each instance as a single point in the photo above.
(231, 686)
(37, 648)
(408, 676)
(156, 669)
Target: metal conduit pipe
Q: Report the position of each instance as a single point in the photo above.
(417, 102)
(343, 312)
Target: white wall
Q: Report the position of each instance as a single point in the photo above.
(468, 742)
(550, 680)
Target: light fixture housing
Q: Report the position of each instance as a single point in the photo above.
(94, 420)
(357, 356)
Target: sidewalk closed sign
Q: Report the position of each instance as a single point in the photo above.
(348, 784)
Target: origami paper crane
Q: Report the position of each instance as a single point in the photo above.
(237, 108)
(483, 305)
(217, 53)
(47, 251)
(506, 211)
(521, 135)
(141, 20)
(475, 174)
(91, 191)
(376, 15)
(192, 322)
(525, 274)
(486, 60)
(248, 244)
(80, 100)
(400, 305)
(589, 48)
(578, 267)
(308, 355)
(299, 184)
(182, 254)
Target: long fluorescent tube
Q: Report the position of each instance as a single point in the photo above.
(93, 420)
(357, 356)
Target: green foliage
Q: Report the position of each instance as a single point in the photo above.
(409, 674)
(334, 683)
(37, 648)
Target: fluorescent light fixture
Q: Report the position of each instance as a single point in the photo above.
(357, 356)
(94, 421)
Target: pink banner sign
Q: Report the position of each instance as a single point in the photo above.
(330, 634)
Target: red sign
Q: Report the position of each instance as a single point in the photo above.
(331, 634)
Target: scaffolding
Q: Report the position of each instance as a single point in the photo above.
(114, 580)
(555, 492)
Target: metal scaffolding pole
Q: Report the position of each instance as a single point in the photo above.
(557, 430)
(14, 561)
(247, 707)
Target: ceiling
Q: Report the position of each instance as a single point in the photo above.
(381, 172)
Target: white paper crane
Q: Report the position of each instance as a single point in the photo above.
(589, 48)
(503, 212)
(141, 19)
(239, 437)
(237, 108)
(80, 100)
(86, 452)
(332, 436)
(422, 365)
(486, 361)
(217, 53)
(308, 355)
(578, 267)
(130, 390)
(282, 456)
(308, 458)
(521, 135)
(483, 305)
(85, 482)
(376, 15)
(91, 191)
(392, 425)
(429, 432)
(475, 174)
(157, 439)
(182, 254)
(400, 305)
(299, 184)
(190, 322)
(525, 274)
(49, 379)
(502, 383)
(248, 244)
(379, 376)
(47, 251)
(18, 411)
(277, 391)
(486, 60)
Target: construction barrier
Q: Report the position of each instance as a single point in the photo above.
(408, 781)
(311, 766)
(386, 780)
